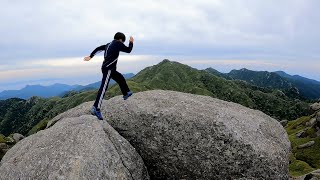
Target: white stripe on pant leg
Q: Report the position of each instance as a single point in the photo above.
(104, 89)
(112, 62)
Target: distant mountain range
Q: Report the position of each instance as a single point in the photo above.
(29, 116)
(52, 90)
(307, 88)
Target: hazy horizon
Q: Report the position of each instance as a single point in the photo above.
(222, 66)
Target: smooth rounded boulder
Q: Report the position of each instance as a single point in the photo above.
(17, 137)
(186, 136)
(75, 148)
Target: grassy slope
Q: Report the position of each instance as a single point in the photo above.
(261, 78)
(305, 160)
(175, 76)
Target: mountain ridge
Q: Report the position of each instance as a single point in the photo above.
(47, 91)
(307, 88)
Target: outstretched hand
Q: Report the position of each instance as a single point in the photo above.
(131, 39)
(87, 58)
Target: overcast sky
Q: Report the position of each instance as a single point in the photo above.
(44, 41)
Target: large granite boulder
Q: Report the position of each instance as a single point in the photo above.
(75, 148)
(186, 136)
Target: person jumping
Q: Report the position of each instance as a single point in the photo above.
(109, 66)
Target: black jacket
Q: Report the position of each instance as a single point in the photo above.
(111, 53)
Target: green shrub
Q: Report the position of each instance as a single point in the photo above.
(40, 126)
(310, 155)
(297, 125)
(2, 138)
(311, 132)
(299, 168)
(303, 161)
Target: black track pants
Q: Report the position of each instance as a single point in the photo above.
(116, 76)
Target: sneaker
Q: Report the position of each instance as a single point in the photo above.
(128, 95)
(97, 113)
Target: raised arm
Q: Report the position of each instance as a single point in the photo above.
(94, 52)
(125, 48)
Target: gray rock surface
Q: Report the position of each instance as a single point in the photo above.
(314, 175)
(318, 133)
(284, 122)
(315, 106)
(4, 147)
(311, 123)
(185, 136)
(74, 148)
(17, 137)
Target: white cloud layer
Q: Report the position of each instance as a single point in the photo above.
(44, 33)
(287, 27)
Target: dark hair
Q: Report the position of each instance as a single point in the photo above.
(120, 35)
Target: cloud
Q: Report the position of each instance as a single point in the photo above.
(71, 28)
(48, 39)
(67, 70)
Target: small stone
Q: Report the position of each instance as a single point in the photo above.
(314, 175)
(284, 122)
(301, 134)
(308, 144)
(315, 107)
(311, 122)
(17, 137)
(3, 146)
(318, 133)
